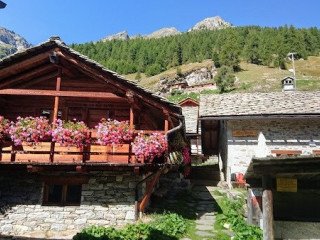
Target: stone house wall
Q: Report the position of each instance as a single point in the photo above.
(106, 200)
(281, 134)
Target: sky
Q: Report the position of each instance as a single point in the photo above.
(79, 21)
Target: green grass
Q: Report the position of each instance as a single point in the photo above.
(251, 78)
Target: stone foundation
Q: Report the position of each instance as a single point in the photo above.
(106, 200)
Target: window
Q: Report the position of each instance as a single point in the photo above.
(49, 113)
(62, 194)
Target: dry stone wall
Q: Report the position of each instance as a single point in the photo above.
(107, 200)
(281, 134)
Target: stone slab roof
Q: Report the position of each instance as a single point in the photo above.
(260, 104)
(191, 119)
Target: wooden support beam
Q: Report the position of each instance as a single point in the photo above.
(52, 93)
(26, 76)
(26, 64)
(149, 191)
(56, 98)
(112, 80)
(39, 79)
(267, 206)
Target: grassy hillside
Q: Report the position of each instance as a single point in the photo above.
(251, 78)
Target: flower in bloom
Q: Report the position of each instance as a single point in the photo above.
(113, 132)
(29, 129)
(150, 146)
(4, 127)
(68, 133)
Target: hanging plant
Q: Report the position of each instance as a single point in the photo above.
(150, 146)
(4, 128)
(113, 132)
(29, 129)
(71, 133)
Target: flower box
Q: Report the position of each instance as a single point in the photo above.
(26, 153)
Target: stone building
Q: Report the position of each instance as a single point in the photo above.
(51, 188)
(273, 139)
(190, 111)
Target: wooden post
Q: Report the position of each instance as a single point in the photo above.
(55, 112)
(267, 206)
(131, 117)
(56, 99)
(166, 121)
(249, 203)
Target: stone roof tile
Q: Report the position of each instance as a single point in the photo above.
(245, 104)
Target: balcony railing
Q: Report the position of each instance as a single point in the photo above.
(51, 152)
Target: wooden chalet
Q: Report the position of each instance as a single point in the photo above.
(55, 81)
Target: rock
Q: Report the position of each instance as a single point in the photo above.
(10, 42)
(211, 23)
(204, 234)
(163, 32)
(130, 215)
(204, 227)
(118, 36)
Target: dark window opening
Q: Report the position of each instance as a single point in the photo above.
(49, 113)
(62, 194)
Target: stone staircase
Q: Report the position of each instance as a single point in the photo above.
(208, 175)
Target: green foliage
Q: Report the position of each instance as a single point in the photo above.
(259, 45)
(179, 72)
(171, 223)
(225, 79)
(178, 97)
(233, 214)
(168, 226)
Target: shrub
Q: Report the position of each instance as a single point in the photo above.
(4, 128)
(233, 214)
(168, 226)
(171, 224)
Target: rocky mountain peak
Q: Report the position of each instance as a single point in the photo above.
(119, 36)
(210, 24)
(10, 42)
(163, 32)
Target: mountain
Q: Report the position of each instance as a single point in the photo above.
(211, 23)
(163, 32)
(10, 42)
(206, 24)
(118, 36)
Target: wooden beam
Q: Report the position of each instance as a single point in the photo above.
(39, 79)
(56, 98)
(146, 98)
(25, 75)
(52, 93)
(25, 64)
(267, 206)
(149, 189)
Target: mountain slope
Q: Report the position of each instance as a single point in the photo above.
(10, 42)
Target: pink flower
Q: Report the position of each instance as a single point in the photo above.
(113, 132)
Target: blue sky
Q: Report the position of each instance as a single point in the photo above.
(78, 21)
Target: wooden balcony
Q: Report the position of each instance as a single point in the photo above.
(53, 153)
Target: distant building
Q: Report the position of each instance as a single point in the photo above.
(288, 84)
(190, 110)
